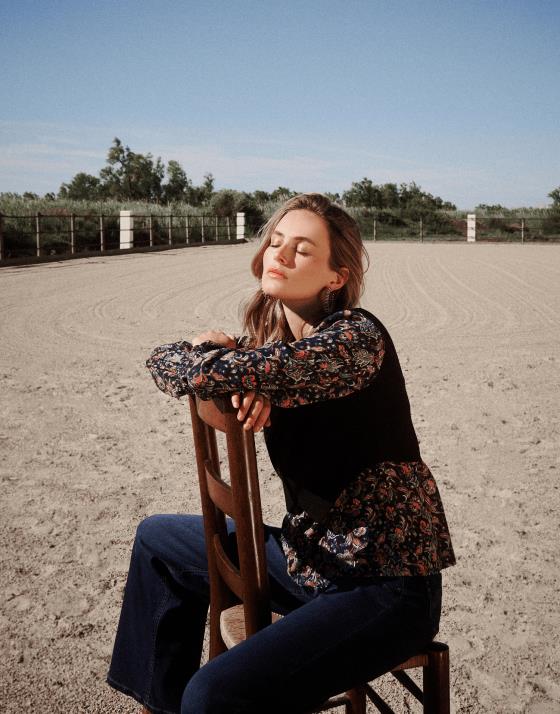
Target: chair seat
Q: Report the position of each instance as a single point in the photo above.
(232, 625)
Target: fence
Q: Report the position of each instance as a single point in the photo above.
(449, 227)
(390, 227)
(49, 235)
(518, 228)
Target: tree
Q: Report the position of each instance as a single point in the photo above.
(207, 188)
(490, 208)
(132, 176)
(178, 184)
(363, 193)
(417, 203)
(555, 196)
(129, 176)
(408, 199)
(254, 216)
(83, 187)
(261, 196)
(390, 195)
(282, 194)
(224, 203)
(201, 195)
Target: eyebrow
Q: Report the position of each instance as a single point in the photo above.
(278, 233)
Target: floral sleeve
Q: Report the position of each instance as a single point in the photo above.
(342, 356)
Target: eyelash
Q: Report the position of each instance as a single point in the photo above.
(277, 245)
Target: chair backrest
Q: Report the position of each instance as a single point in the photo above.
(240, 576)
(244, 578)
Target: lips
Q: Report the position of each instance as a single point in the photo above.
(275, 273)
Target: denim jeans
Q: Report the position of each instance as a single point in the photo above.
(327, 642)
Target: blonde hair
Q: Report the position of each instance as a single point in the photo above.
(264, 319)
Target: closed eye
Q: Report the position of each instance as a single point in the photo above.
(278, 245)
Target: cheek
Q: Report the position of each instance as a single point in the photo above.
(312, 270)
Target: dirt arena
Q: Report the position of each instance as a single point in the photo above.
(89, 447)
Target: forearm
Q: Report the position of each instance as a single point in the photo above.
(170, 364)
(336, 361)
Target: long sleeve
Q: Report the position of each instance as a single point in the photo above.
(342, 356)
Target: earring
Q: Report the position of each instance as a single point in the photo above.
(327, 300)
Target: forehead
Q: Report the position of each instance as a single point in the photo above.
(301, 223)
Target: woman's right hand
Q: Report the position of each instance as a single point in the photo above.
(216, 336)
(254, 410)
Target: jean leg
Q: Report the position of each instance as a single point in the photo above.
(328, 645)
(160, 634)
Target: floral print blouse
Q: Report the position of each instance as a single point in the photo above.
(389, 519)
(341, 356)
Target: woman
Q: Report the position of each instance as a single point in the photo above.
(356, 566)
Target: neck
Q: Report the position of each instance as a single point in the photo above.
(302, 318)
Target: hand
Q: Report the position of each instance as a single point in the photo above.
(220, 338)
(254, 410)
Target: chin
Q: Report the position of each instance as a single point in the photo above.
(272, 288)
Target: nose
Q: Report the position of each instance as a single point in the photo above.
(280, 255)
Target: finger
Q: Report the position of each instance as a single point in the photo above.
(227, 340)
(259, 419)
(235, 400)
(256, 408)
(254, 412)
(248, 398)
(262, 418)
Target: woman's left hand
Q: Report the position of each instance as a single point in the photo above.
(254, 410)
(220, 338)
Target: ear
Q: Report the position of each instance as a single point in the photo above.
(340, 280)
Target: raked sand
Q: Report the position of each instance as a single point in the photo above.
(89, 447)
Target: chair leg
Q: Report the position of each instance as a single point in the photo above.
(357, 704)
(436, 680)
(216, 645)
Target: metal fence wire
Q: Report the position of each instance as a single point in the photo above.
(60, 234)
(450, 227)
(68, 233)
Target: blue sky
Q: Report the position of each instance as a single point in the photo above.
(461, 97)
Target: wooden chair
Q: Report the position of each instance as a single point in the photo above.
(239, 590)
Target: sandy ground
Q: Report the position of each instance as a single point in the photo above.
(90, 446)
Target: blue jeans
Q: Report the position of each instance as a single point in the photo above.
(327, 642)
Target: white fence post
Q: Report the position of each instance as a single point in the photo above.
(126, 223)
(471, 227)
(241, 226)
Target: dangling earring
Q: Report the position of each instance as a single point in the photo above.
(327, 300)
